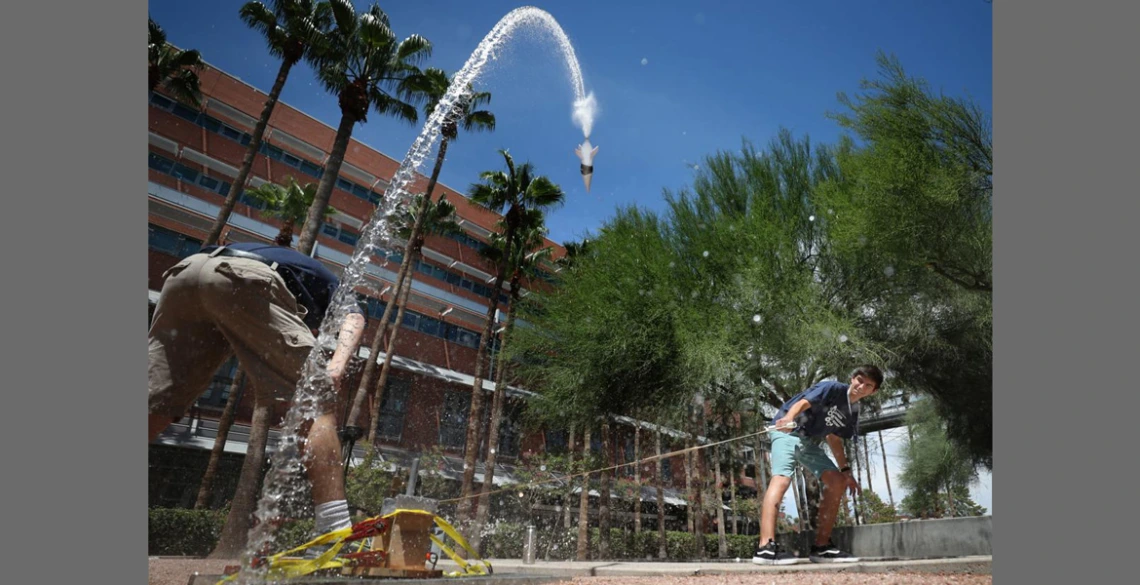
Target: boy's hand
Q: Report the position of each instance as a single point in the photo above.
(852, 484)
(786, 424)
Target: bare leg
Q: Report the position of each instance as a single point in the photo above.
(324, 466)
(157, 424)
(771, 507)
(833, 483)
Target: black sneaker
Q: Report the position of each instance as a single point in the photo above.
(829, 553)
(773, 554)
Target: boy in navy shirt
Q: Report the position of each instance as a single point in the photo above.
(827, 412)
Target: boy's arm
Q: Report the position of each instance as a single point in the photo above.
(790, 418)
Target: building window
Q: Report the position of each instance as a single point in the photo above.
(348, 236)
(509, 430)
(160, 163)
(344, 185)
(392, 409)
(453, 419)
(557, 442)
(171, 242)
(218, 392)
(596, 442)
(627, 471)
(311, 169)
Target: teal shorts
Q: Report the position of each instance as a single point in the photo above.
(789, 449)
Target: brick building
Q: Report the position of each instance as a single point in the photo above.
(193, 157)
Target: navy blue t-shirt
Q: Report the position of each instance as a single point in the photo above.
(831, 412)
(310, 281)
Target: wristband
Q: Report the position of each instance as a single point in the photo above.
(845, 470)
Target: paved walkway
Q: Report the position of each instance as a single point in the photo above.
(514, 572)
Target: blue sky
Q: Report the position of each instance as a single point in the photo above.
(675, 81)
(714, 73)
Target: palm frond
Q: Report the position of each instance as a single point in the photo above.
(413, 50)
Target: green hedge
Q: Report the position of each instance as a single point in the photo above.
(507, 542)
(182, 532)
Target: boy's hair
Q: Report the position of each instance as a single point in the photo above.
(870, 372)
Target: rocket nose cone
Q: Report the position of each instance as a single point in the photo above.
(586, 179)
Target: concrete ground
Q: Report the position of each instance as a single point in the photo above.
(956, 571)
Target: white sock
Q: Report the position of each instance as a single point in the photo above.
(331, 516)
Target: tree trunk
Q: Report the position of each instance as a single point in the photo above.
(950, 501)
(732, 494)
(722, 540)
(886, 473)
(604, 494)
(250, 155)
(229, 412)
(401, 298)
(235, 532)
(699, 481)
(690, 510)
(316, 214)
(758, 476)
(801, 507)
(662, 549)
(475, 418)
(374, 350)
(570, 470)
(584, 504)
(853, 459)
(484, 506)
(637, 481)
(867, 461)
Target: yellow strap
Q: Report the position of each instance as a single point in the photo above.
(285, 565)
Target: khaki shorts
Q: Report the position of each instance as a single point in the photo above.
(211, 307)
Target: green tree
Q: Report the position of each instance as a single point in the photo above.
(436, 218)
(513, 192)
(934, 468)
(910, 223)
(361, 61)
(172, 68)
(433, 86)
(291, 29)
(873, 510)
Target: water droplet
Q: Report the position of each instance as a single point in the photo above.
(695, 294)
(706, 252)
(889, 271)
(756, 318)
(542, 468)
(842, 339)
(644, 61)
(811, 218)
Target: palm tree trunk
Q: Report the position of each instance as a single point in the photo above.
(570, 462)
(484, 506)
(604, 495)
(584, 504)
(475, 417)
(405, 269)
(315, 217)
(721, 539)
(950, 501)
(374, 350)
(697, 420)
(662, 549)
(886, 473)
(235, 532)
(637, 481)
(690, 510)
(390, 351)
(229, 412)
(801, 507)
(250, 155)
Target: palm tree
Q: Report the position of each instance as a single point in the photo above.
(439, 218)
(514, 191)
(174, 69)
(432, 86)
(292, 29)
(367, 68)
(529, 249)
(288, 203)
